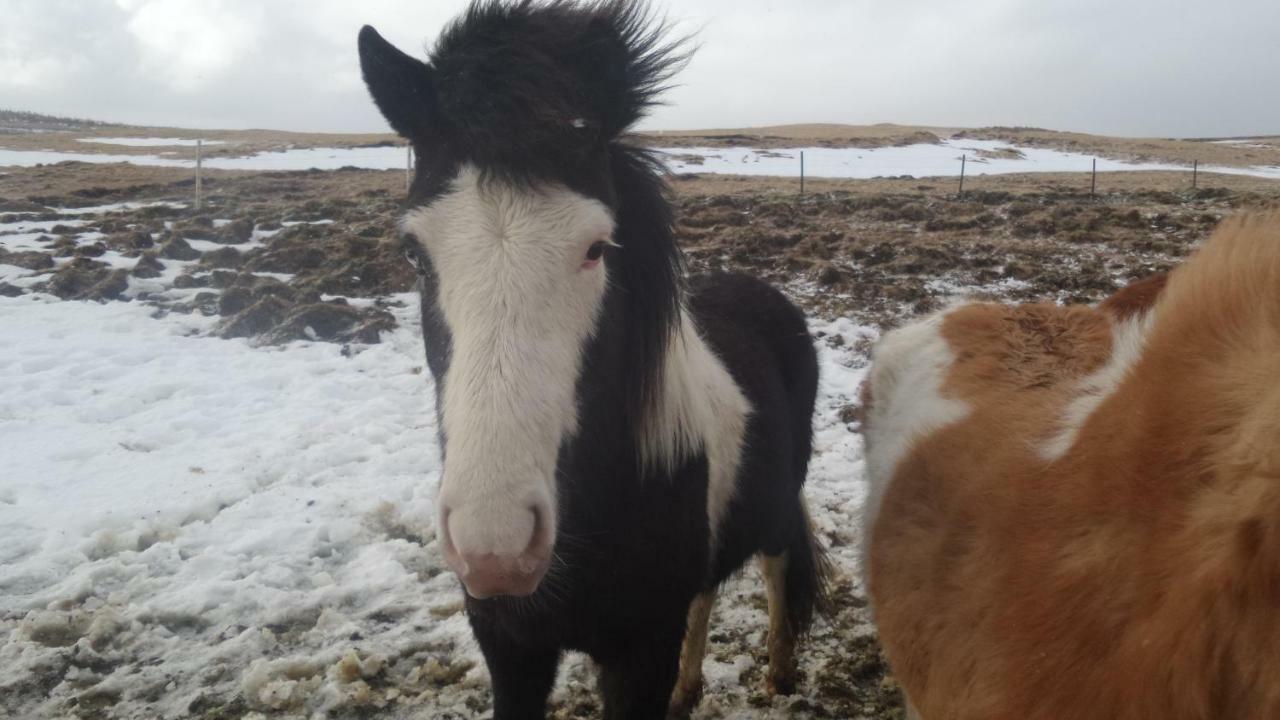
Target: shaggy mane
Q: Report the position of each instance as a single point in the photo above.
(532, 88)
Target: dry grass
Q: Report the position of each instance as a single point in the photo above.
(1258, 151)
(1139, 149)
(820, 134)
(236, 142)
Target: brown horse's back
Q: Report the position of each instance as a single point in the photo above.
(1075, 511)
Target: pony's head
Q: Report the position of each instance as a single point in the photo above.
(534, 230)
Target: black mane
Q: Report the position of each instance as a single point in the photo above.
(532, 91)
(529, 88)
(649, 277)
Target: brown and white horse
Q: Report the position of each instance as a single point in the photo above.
(1075, 511)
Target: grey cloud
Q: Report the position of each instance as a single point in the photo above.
(1135, 67)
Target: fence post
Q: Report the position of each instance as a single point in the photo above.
(1195, 172)
(1093, 183)
(199, 167)
(408, 166)
(802, 172)
(963, 159)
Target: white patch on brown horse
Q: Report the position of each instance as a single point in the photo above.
(906, 401)
(1128, 338)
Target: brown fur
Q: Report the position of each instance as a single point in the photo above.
(1136, 298)
(1136, 577)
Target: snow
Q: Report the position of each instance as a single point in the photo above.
(199, 518)
(117, 207)
(26, 226)
(1243, 142)
(378, 158)
(150, 142)
(31, 158)
(921, 160)
(195, 490)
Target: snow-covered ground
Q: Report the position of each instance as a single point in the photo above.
(150, 142)
(376, 158)
(185, 520)
(984, 157)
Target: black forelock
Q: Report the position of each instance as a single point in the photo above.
(510, 78)
(537, 88)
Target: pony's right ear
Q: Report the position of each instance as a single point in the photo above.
(401, 85)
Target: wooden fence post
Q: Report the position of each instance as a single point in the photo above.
(408, 166)
(802, 172)
(199, 168)
(1093, 183)
(963, 159)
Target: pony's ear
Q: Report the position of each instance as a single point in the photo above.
(401, 85)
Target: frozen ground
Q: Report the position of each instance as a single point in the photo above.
(984, 157)
(150, 142)
(190, 525)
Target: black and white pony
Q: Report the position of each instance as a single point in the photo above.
(615, 444)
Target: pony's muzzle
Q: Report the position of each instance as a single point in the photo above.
(493, 558)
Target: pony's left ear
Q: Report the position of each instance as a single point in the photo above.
(401, 85)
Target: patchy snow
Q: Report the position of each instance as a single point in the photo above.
(150, 142)
(117, 207)
(923, 160)
(31, 158)
(27, 226)
(205, 246)
(1243, 142)
(186, 520)
(378, 158)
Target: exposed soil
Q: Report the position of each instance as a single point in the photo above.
(884, 257)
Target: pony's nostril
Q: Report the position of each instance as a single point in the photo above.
(540, 540)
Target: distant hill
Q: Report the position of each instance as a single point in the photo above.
(19, 121)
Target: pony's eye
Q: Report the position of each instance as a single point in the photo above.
(410, 250)
(596, 251)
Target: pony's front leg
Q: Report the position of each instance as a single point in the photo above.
(636, 684)
(522, 675)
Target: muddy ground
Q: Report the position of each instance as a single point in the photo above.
(876, 251)
(310, 255)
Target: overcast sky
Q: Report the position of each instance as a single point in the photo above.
(1126, 67)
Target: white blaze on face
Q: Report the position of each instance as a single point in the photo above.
(520, 299)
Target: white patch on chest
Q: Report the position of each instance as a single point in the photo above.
(1128, 338)
(908, 369)
(700, 409)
